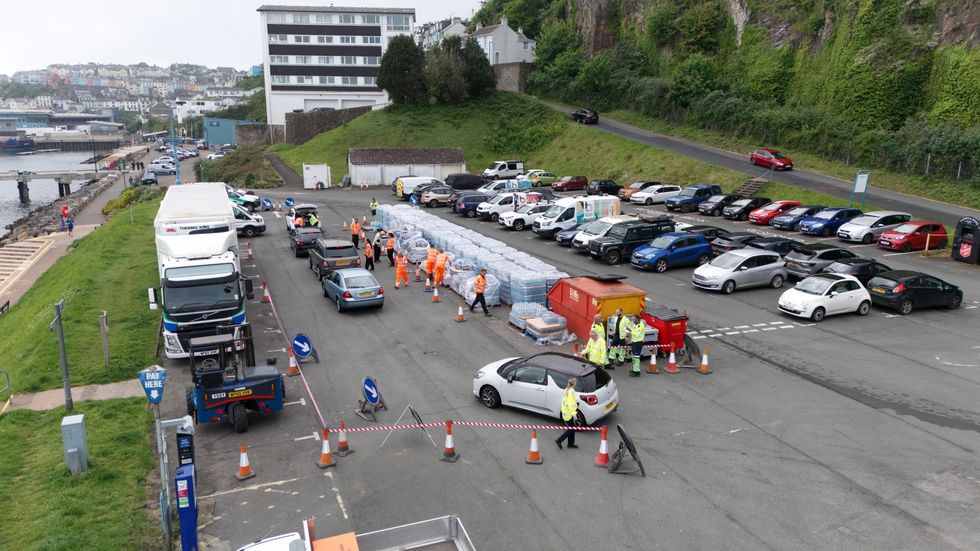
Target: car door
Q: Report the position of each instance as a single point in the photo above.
(761, 273)
(527, 387)
(928, 291)
(685, 251)
(638, 237)
(331, 285)
(836, 300)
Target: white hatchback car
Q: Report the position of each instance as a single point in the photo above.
(524, 217)
(536, 383)
(823, 295)
(870, 225)
(654, 195)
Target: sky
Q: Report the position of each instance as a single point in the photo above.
(37, 33)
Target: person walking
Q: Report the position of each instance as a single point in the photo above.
(378, 237)
(480, 287)
(440, 271)
(430, 261)
(595, 350)
(355, 232)
(401, 270)
(569, 409)
(638, 331)
(390, 247)
(374, 207)
(368, 255)
(70, 224)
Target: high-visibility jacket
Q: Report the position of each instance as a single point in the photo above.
(441, 261)
(314, 220)
(368, 250)
(374, 204)
(299, 222)
(390, 244)
(480, 284)
(595, 351)
(431, 254)
(624, 328)
(638, 331)
(355, 228)
(569, 405)
(598, 328)
(401, 263)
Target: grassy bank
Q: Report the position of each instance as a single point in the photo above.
(959, 193)
(109, 269)
(244, 167)
(42, 507)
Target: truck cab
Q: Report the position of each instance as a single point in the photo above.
(692, 196)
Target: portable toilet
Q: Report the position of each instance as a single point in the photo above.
(579, 299)
(966, 241)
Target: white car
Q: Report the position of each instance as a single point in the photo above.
(216, 155)
(654, 195)
(870, 225)
(825, 295)
(524, 217)
(536, 383)
(166, 159)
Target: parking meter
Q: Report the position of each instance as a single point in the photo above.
(185, 447)
(187, 506)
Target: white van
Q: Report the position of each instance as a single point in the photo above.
(569, 212)
(405, 185)
(499, 170)
(600, 228)
(161, 168)
(247, 224)
(506, 202)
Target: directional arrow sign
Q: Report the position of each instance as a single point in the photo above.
(266, 204)
(302, 345)
(153, 379)
(289, 202)
(371, 392)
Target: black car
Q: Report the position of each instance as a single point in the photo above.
(466, 205)
(904, 290)
(739, 210)
(624, 238)
(709, 232)
(301, 239)
(585, 116)
(716, 204)
(457, 195)
(862, 268)
(735, 240)
(790, 220)
(463, 180)
(603, 187)
(781, 245)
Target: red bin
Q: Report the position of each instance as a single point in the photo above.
(672, 325)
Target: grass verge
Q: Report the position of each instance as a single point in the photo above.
(109, 269)
(244, 167)
(45, 508)
(965, 194)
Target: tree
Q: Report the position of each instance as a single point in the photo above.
(444, 75)
(477, 71)
(401, 71)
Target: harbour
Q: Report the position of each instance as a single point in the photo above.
(43, 191)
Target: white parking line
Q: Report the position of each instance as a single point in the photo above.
(313, 436)
(769, 328)
(700, 337)
(733, 333)
(715, 335)
(759, 324)
(741, 326)
(301, 401)
(776, 322)
(900, 254)
(859, 246)
(751, 331)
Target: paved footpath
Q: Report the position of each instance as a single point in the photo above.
(50, 399)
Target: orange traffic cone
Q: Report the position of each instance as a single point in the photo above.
(266, 297)
(449, 455)
(534, 456)
(250, 256)
(245, 471)
(672, 362)
(428, 285)
(326, 460)
(652, 368)
(293, 364)
(418, 272)
(602, 458)
(435, 294)
(459, 313)
(704, 368)
(343, 448)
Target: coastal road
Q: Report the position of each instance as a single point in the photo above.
(852, 433)
(890, 200)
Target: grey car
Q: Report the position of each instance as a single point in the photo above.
(353, 288)
(805, 260)
(870, 225)
(740, 269)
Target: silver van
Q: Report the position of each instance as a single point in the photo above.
(739, 269)
(161, 168)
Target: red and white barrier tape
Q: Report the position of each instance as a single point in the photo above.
(465, 424)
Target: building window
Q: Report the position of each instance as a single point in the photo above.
(324, 39)
(399, 23)
(280, 79)
(324, 18)
(371, 19)
(278, 59)
(302, 59)
(372, 60)
(326, 80)
(348, 60)
(370, 81)
(346, 18)
(325, 60)
(526, 46)
(304, 80)
(302, 39)
(278, 38)
(301, 18)
(371, 39)
(348, 39)
(348, 80)
(277, 18)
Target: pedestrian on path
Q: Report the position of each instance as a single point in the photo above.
(368, 255)
(374, 207)
(70, 223)
(595, 350)
(480, 287)
(401, 270)
(569, 408)
(390, 247)
(355, 232)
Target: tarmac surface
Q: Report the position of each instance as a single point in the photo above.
(857, 433)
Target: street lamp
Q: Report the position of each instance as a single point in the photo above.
(95, 156)
(173, 143)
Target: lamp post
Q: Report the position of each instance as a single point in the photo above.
(95, 157)
(173, 143)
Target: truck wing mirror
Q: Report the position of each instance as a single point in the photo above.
(249, 290)
(152, 295)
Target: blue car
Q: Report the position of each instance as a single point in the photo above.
(564, 237)
(672, 249)
(466, 205)
(690, 197)
(826, 222)
(790, 220)
(353, 288)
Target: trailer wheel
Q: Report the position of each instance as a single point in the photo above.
(238, 416)
(189, 395)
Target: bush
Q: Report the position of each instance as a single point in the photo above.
(401, 71)
(129, 196)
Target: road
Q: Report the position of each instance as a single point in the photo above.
(854, 433)
(890, 200)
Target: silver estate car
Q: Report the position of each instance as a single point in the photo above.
(868, 227)
(739, 269)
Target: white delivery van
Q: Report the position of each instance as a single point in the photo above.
(569, 212)
(600, 228)
(499, 170)
(405, 185)
(247, 224)
(506, 202)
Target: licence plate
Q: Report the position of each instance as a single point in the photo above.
(343, 262)
(886, 243)
(610, 405)
(793, 264)
(879, 290)
(365, 294)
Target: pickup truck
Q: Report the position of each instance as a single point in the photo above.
(692, 196)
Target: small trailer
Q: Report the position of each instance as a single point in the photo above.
(437, 534)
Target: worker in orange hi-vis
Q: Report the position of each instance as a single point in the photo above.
(368, 255)
(440, 271)
(390, 248)
(430, 261)
(401, 269)
(355, 232)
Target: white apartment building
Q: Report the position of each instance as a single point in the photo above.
(326, 56)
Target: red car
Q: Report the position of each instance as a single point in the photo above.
(764, 214)
(571, 183)
(912, 236)
(770, 158)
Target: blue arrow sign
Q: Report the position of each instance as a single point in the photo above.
(289, 202)
(266, 204)
(302, 345)
(371, 392)
(153, 379)
(413, 200)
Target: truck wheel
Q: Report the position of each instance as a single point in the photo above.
(519, 225)
(238, 417)
(189, 394)
(248, 231)
(685, 208)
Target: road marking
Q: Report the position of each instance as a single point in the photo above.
(313, 436)
(699, 337)
(804, 324)
(785, 327)
(715, 335)
(776, 322)
(277, 215)
(723, 329)
(301, 401)
(741, 327)
(751, 331)
(759, 324)
(899, 254)
(733, 431)
(734, 333)
(252, 487)
(859, 246)
(769, 328)
(283, 350)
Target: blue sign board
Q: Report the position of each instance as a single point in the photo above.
(153, 380)
(302, 345)
(371, 392)
(266, 204)
(289, 202)
(413, 199)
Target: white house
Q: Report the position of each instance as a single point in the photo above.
(503, 44)
(434, 33)
(380, 166)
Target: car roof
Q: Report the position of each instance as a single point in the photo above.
(855, 260)
(777, 239)
(702, 227)
(353, 272)
(750, 251)
(331, 242)
(679, 234)
(817, 247)
(882, 213)
(902, 275)
(923, 222)
(833, 277)
(304, 206)
(562, 363)
(738, 234)
(307, 229)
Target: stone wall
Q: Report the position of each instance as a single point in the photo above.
(47, 219)
(259, 134)
(512, 77)
(302, 127)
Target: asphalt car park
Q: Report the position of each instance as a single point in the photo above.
(869, 424)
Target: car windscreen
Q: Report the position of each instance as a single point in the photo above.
(597, 228)
(799, 211)
(814, 285)
(554, 211)
(637, 185)
(825, 214)
(360, 282)
(801, 253)
(592, 381)
(771, 206)
(741, 202)
(582, 227)
(883, 282)
(864, 220)
(661, 242)
(688, 192)
(341, 252)
(496, 199)
(526, 208)
(776, 154)
(727, 261)
(906, 228)
(838, 268)
(617, 232)
(715, 198)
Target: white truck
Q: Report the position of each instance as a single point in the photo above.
(201, 285)
(569, 212)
